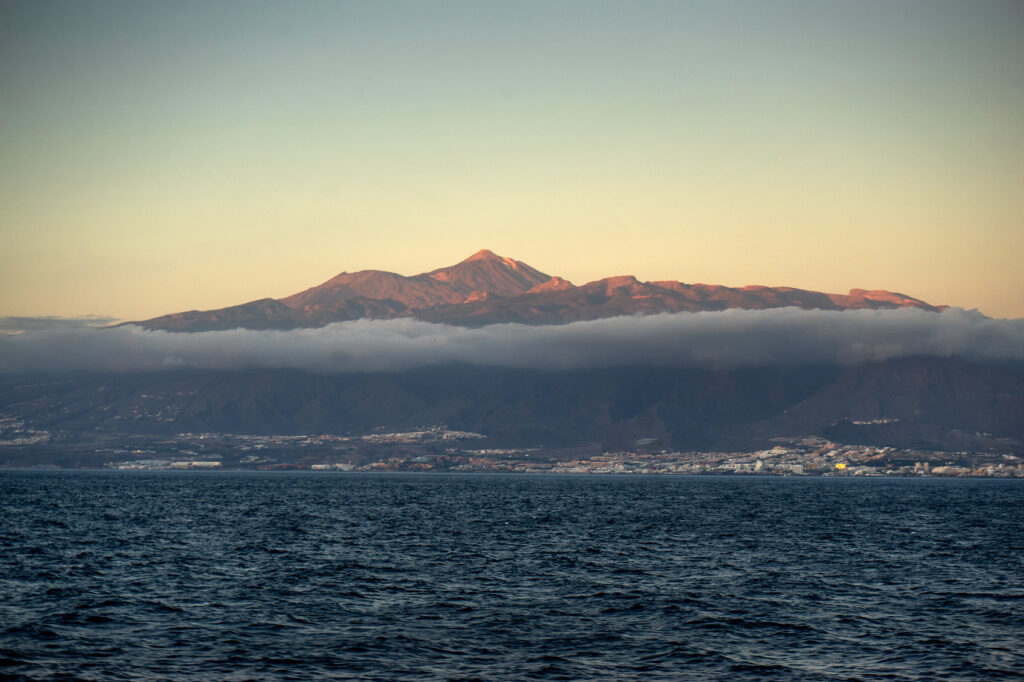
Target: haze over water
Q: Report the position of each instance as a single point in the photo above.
(183, 575)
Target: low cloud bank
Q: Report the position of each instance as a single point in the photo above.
(18, 325)
(731, 338)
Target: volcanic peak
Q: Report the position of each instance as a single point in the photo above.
(486, 288)
(490, 273)
(483, 254)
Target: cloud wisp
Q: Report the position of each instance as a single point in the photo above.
(731, 338)
(18, 325)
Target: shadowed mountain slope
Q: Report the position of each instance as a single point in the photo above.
(942, 403)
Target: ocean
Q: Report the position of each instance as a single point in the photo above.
(273, 576)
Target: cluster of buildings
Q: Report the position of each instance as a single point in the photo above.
(433, 434)
(438, 448)
(157, 464)
(14, 431)
(802, 457)
(829, 460)
(807, 457)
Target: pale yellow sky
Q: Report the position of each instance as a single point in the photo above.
(154, 159)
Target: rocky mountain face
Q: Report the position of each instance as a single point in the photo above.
(481, 276)
(487, 288)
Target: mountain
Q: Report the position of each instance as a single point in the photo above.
(482, 275)
(487, 288)
(916, 402)
(943, 403)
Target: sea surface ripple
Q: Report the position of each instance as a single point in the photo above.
(221, 575)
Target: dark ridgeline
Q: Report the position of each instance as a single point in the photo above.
(936, 403)
(486, 289)
(198, 576)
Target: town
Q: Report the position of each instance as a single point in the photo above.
(437, 448)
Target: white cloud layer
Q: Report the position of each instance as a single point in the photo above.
(781, 336)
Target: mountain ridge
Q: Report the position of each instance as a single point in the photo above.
(915, 402)
(486, 288)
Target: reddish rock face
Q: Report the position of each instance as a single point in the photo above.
(489, 273)
(487, 288)
(553, 284)
(482, 275)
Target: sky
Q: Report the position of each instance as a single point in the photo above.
(158, 157)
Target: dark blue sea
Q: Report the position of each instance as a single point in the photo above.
(238, 576)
